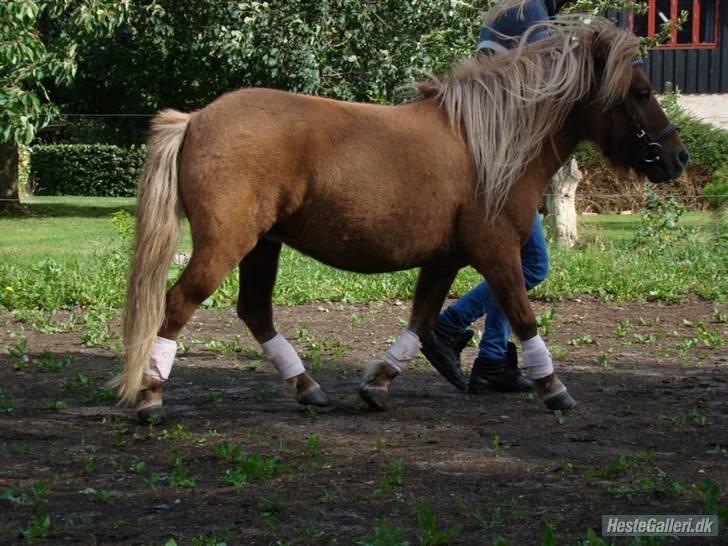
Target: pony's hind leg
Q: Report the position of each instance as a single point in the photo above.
(433, 285)
(205, 271)
(255, 307)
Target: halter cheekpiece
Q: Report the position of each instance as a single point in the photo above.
(651, 151)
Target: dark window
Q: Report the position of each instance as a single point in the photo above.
(699, 30)
(708, 20)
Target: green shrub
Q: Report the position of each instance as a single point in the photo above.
(91, 170)
(716, 192)
(707, 144)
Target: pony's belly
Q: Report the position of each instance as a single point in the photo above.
(366, 255)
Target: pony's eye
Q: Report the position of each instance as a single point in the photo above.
(643, 94)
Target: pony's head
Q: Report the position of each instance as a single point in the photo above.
(507, 106)
(626, 121)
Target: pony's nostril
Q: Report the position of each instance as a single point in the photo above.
(683, 157)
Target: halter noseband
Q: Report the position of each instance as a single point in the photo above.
(651, 151)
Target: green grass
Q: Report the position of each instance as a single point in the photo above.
(66, 252)
(621, 227)
(60, 228)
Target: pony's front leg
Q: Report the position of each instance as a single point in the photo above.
(505, 277)
(432, 287)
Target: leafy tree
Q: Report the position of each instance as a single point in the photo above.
(184, 54)
(38, 44)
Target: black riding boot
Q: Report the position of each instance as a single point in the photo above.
(499, 375)
(442, 347)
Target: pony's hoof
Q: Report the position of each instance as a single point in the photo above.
(562, 401)
(554, 394)
(375, 397)
(151, 415)
(314, 396)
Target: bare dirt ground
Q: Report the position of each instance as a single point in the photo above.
(649, 436)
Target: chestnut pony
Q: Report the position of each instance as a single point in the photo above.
(448, 180)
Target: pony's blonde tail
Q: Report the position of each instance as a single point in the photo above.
(158, 229)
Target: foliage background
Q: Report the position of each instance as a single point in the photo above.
(183, 55)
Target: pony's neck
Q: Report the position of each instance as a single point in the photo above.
(557, 150)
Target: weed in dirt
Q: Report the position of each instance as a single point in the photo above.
(559, 417)
(103, 496)
(97, 331)
(180, 478)
(383, 535)
(311, 411)
(710, 338)
(223, 346)
(354, 320)
(151, 481)
(270, 509)
(380, 443)
(72, 384)
(549, 536)
(89, 462)
(564, 466)
(496, 446)
(558, 352)
(6, 404)
(137, 466)
(428, 534)
(440, 419)
(659, 484)
(711, 494)
(583, 340)
(20, 354)
(13, 498)
(698, 418)
(517, 508)
(231, 454)
(644, 339)
(39, 528)
(313, 446)
(394, 477)
(603, 362)
(215, 539)
(175, 432)
(215, 398)
(251, 467)
(319, 350)
(40, 524)
(622, 328)
(545, 321)
(45, 322)
(719, 316)
(717, 450)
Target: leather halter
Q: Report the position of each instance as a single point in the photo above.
(651, 151)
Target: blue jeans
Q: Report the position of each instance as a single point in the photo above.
(481, 301)
(507, 29)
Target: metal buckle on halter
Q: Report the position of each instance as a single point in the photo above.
(645, 152)
(641, 132)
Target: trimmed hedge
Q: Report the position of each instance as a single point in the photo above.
(95, 170)
(100, 170)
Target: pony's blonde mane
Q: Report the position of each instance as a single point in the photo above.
(506, 105)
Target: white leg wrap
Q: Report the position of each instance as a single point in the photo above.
(162, 358)
(403, 351)
(283, 356)
(537, 361)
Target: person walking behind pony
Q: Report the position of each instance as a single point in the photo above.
(496, 366)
